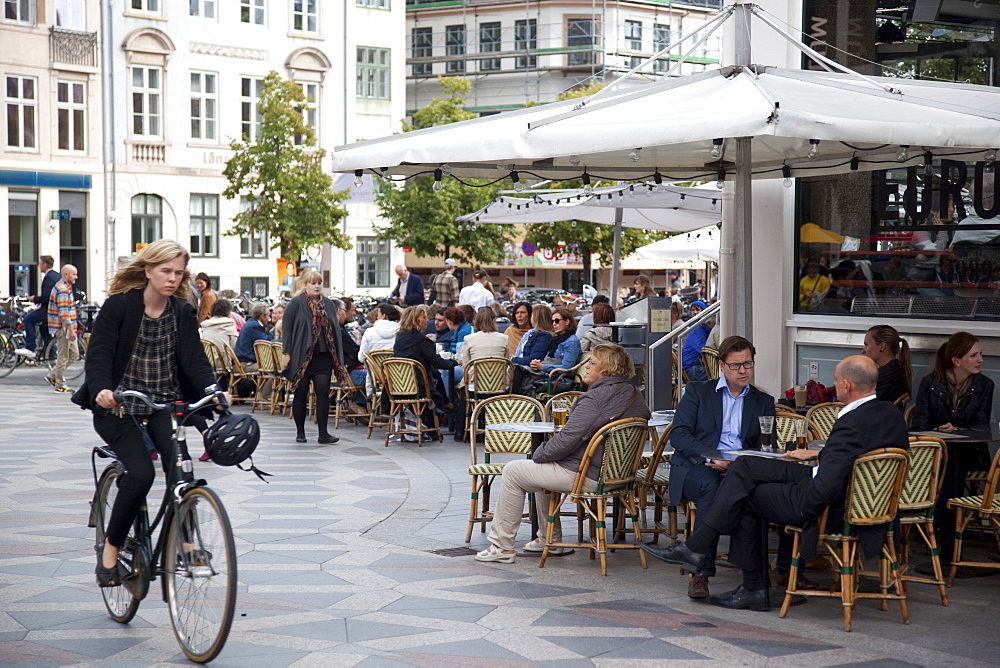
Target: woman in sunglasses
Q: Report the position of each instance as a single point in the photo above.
(564, 348)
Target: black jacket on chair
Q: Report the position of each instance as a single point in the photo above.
(934, 407)
(697, 427)
(416, 346)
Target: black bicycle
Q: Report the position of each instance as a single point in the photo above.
(194, 554)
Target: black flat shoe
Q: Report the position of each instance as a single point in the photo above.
(327, 439)
(300, 438)
(741, 599)
(107, 577)
(678, 553)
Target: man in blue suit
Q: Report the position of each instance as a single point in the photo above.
(409, 290)
(715, 415)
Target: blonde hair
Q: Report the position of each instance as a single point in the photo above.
(307, 277)
(133, 275)
(613, 360)
(411, 316)
(541, 318)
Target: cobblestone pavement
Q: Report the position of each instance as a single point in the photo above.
(337, 567)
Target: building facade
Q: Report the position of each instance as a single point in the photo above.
(51, 167)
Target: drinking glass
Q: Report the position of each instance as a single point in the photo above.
(560, 412)
(766, 429)
(800, 396)
(801, 430)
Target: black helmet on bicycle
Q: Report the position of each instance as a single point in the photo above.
(232, 439)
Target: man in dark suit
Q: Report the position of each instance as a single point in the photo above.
(785, 492)
(715, 415)
(39, 316)
(409, 290)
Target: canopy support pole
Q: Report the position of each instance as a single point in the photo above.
(616, 256)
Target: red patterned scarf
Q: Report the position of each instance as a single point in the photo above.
(321, 326)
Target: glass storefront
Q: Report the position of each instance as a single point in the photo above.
(920, 241)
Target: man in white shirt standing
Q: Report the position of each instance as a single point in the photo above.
(476, 295)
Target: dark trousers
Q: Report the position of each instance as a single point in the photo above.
(963, 457)
(37, 318)
(700, 485)
(124, 436)
(754, 489)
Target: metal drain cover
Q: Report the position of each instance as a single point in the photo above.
(455, 552)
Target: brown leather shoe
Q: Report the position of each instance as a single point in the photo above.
(803, 582)
(698, 586)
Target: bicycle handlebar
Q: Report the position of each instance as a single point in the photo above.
(213, 392)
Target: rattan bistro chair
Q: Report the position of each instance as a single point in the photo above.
(654, 478)
(710, 360)
(928, 459)
(823, 416)
(409, 389)
(484, 378)
(872, 499)
(373, 362)
(784, 430)
(570, 397)
(984, 507)
(622, 442)
(266, 371)
(218, 362)
(901, 402)
(505, 408)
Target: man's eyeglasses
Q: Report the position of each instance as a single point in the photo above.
(735, 366)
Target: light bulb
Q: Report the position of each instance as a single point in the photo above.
(715, 202)
(721, 183)
(813, 149)
(634, 154)
(574, 160)
(587, 188)
(716, 149)
(437, 181)
(991, 157)
(572, 224)
(928, 164)
(787, 182)
(446, 169)
(518, 187)
(358, 181)
(902, 155)
(786, 171)
(649, 191)
(552, 224)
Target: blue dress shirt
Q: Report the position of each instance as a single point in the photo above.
(732, 416)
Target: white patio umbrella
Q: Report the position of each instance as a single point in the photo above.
(733, 124)
(702, 244)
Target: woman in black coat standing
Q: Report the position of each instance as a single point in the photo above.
(145, 339)
(312, 352)
(412, 343)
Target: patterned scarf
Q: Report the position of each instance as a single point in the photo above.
(320, 327)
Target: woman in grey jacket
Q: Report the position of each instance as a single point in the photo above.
(312, 352)
(553, 466)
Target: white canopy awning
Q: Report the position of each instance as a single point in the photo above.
(702, 244)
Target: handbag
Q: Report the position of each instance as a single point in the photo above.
(564, 382)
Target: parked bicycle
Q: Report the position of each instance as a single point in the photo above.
(194, 554)
(12, 339)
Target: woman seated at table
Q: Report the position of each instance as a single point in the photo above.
(485, 341)
(600, 333)
(564, 348)
(520, 323)
(955, 395)
(412, 343)
(554, 465)
(458, 326)
(534, 346)
(891, 354)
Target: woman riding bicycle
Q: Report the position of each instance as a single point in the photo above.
(145, 339)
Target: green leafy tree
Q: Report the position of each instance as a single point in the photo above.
(424, 220)
(281, 175)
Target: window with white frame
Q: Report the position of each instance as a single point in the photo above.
(254, 244)
(454, 45)
(310, 109)
(147, 220)
(423, 47)
(71, 14)
(304, 16)
(204, 106)
(151, 6)
(71, 115)
(202, 8)
(253, 12)
(489, 42)
(147, 91)
(581, 33)
(373, 73)
(633, 35)
(373, 4)
(373, 262)
(661, 40)
(525, 38)
(22, 112)
(250, 90)
(204, 225)
(19, 11)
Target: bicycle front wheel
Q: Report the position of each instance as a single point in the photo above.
(8, 358)
(119, 601)
(200, 574)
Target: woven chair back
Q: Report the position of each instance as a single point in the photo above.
(823, 416)
(710, 360)
(506, 408)
(875, 486)
(401, 379)
(580, 370)
(784, 428)
(908, 415)
(623, 442)
(232, 361)
(991, 483)
(655, 459)
(927, 456)
(214, 356)
(489, 376)
(901, 402)
(570, 397)
(263, 351)
(374, 360)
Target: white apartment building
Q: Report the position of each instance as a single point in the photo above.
(516, 52)
(183, 80)
(51, 172)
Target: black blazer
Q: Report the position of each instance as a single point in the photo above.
(416, 346)
(891, 381)
(697, 427)
(934, 407)
(116, 329)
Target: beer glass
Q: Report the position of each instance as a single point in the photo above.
(560, 411)
(801, 429)
(800, 396)
(766, 429)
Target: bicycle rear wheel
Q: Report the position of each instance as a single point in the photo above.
(8, 358)
(200, 574)
(119, 601)
(50, 354)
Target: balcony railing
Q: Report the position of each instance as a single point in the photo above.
(149, 153)
(73, 47)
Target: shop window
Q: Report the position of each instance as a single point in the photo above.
(373, 262)
(147, 220)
